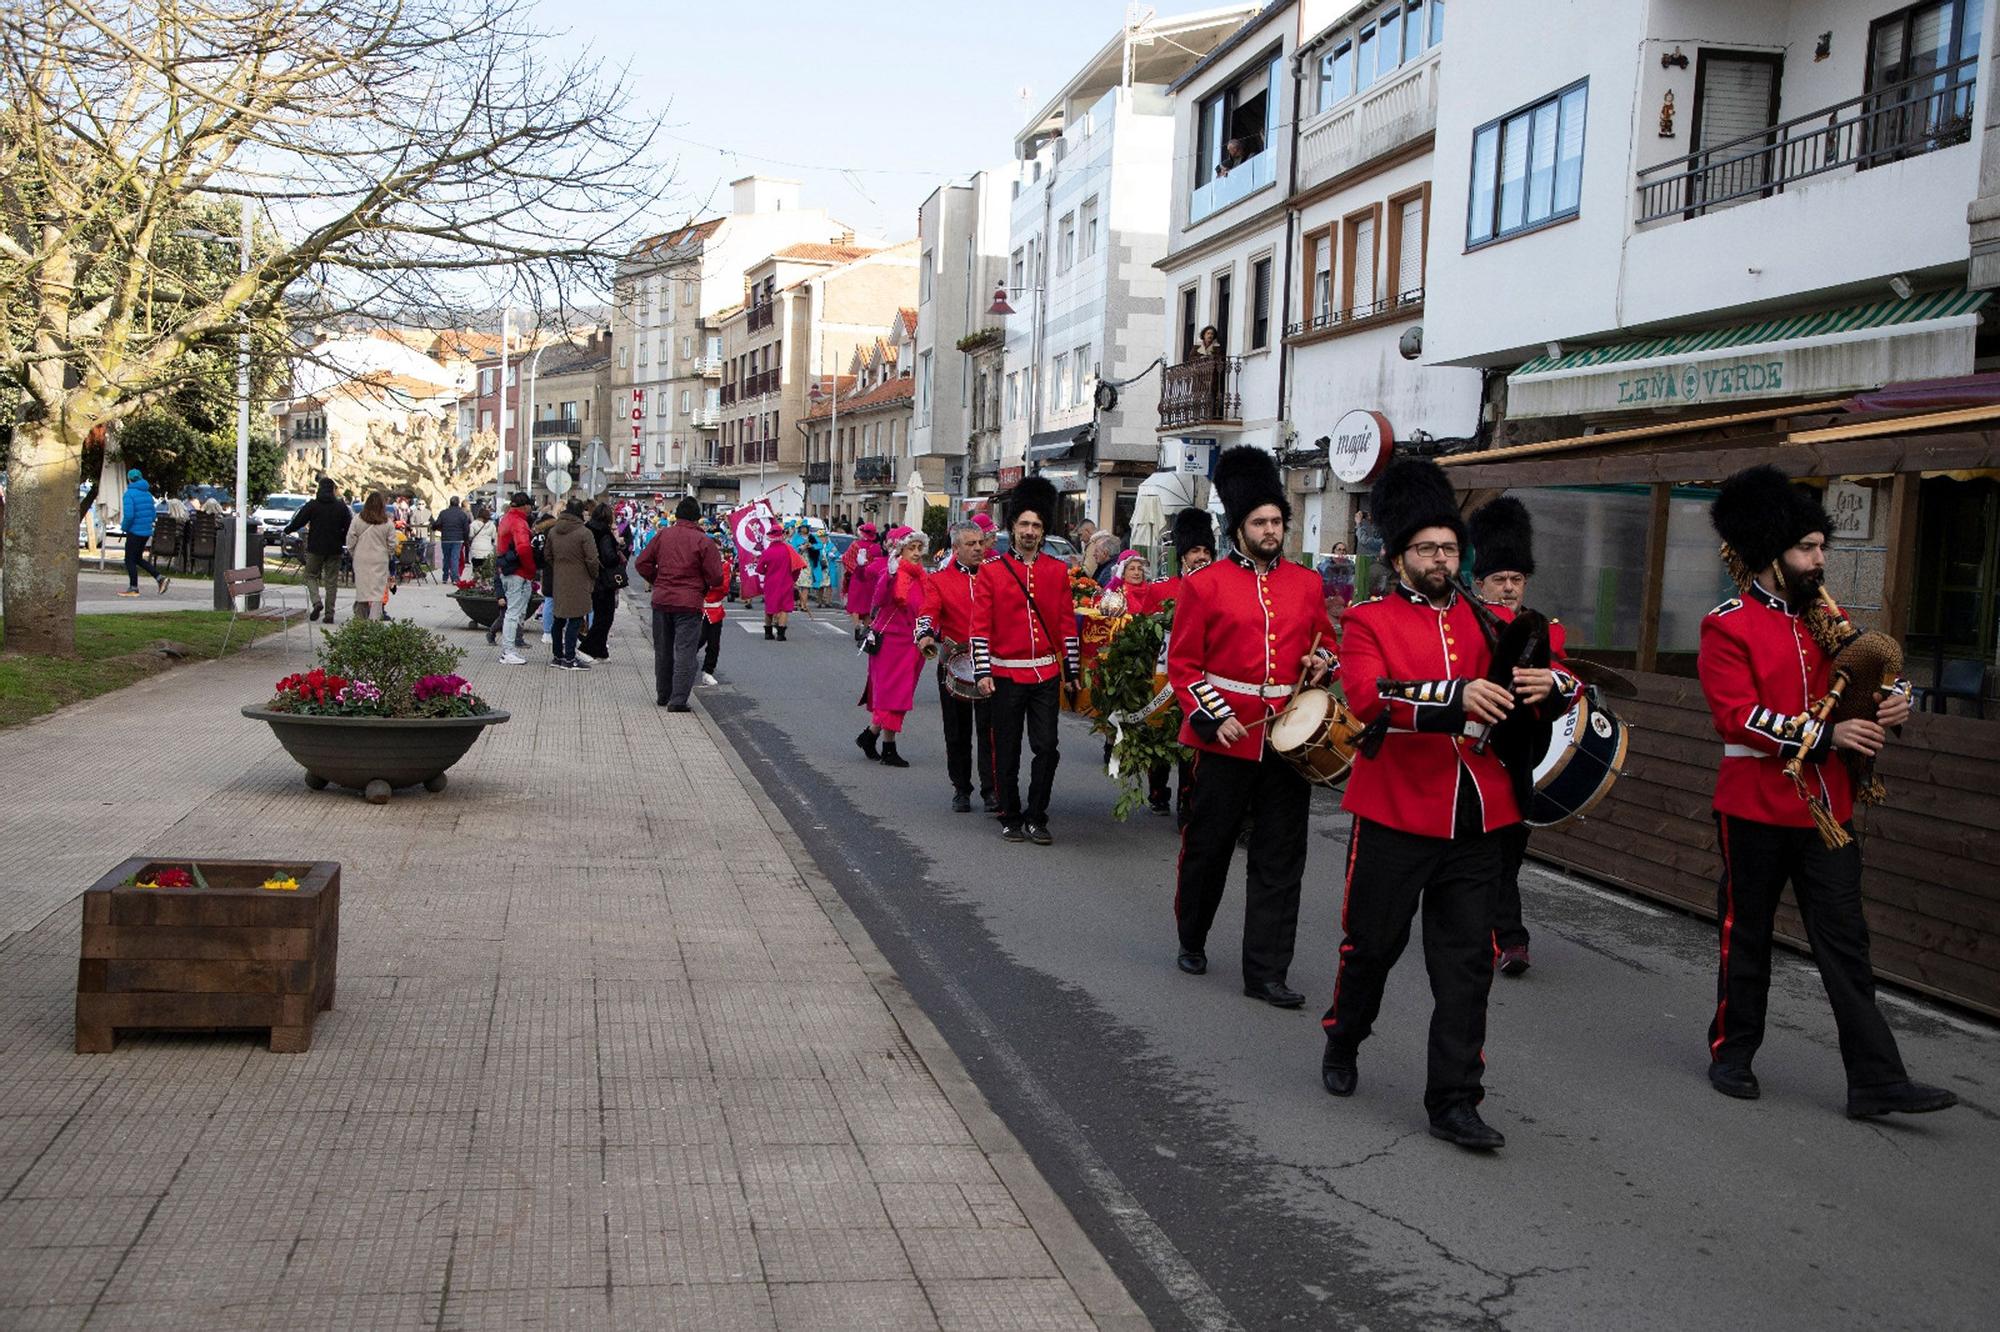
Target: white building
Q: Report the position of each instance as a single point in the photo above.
(962, 237)
(1086, 228)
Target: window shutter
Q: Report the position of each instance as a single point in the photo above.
(1410, 248)
(1735, 101)
(1364, 263)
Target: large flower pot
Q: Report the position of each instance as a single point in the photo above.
(483, 608)
(374, 755)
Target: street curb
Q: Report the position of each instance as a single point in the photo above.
(1103, 1295)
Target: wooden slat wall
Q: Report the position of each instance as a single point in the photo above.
(1932, 849)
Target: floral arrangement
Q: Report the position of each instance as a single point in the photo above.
(446, 696)
(170, 876)
(283, 883)
(1083, 589)
(1144, 730)
(468, 584)
(320, 693)
(377, 669)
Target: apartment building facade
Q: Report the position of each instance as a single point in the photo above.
(860, 440)
(571, 404)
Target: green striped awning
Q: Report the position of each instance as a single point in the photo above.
(1845, 319)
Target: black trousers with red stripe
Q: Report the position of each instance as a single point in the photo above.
(1757, 860)
(964, 724)
(1220, 791)
(1389, 874)
(1508, 931)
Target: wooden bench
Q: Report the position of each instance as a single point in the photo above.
(226, 954)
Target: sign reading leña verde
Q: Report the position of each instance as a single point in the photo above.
(1360, 447)
(1710, 381)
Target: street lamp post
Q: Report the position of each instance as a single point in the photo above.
(242, 383)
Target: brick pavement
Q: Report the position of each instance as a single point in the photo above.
(607, 1051)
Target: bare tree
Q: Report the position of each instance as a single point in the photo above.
(411, 161)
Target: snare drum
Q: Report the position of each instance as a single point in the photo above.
(1316, 735)
(1586, 755)
(959, 677)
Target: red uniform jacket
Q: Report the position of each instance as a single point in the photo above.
(947, 611)
(1760, 670)
(1411, 784)
(1238, 637)
(1012, 640)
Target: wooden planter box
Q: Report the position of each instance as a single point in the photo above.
(227, 956)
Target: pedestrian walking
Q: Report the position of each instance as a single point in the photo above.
(139, 517)
(778, 567)
(326, 521)
(454, 527)
(481, 538)
(515, 560)
(573, 566)
(418, 526)
(714, 610)
(947, 618)
(894, 660)
(609, 583)
(1024, 648)
(684, 570)
(371, 545)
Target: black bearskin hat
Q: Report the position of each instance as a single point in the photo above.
(1503, 538)
(1037, 495)
(1760, 514)
(1247, 479)
(1411, 495)
(1193, 530)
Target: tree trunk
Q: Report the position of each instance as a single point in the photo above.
(40, 559)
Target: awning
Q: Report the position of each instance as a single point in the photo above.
(1848, 349)
(1051, 445)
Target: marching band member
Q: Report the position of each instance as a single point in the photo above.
(1503, 560)
(1428, 804)
(1762, 670)
(1024, 647)
(1244, 628)
(1193, 539)
(947, 615)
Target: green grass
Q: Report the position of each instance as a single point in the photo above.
(113, 651)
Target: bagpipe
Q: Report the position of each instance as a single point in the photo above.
(1867, 668)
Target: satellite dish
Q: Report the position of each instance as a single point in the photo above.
(558, 481)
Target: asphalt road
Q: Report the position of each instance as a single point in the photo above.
(1185, 1125)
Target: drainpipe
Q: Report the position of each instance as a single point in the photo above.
(1291, 223)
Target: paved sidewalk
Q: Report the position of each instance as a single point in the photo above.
(607, 1053)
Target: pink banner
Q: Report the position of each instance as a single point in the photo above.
(753, 527)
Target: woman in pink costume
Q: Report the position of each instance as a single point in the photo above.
(896, 663)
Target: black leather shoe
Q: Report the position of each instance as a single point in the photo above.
(1275, 994)
(1461, 1124)
(1337, 1072)
(1900, 1098)
(680, 707)
(961, 803)
(1011, 832)
(1038, 833)
(867, 742)
(1192, 962)
(1737, 1080)
(891, 759)
(992, 803)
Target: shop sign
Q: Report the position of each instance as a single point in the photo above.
(1852, 509)
(1360, 447)
(1709, 381)
(1010, 477)
(1193, 457)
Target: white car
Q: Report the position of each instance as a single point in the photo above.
(271, 516)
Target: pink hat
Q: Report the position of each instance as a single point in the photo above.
(983, 521)
(898, 533)
(1124, 557)
(867, 530)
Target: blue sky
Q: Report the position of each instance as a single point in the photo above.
(869, 106)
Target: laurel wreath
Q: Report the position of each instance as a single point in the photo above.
(1142, 723)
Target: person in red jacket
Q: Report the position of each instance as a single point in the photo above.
(684, 569)
(947, 615)
(514, 548)
(1762, 669)
(1245, 627)
(1428, 803)
(714, 609)
(1503, 559)
(1024, 648)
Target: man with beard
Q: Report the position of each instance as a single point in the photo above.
(1245, 627)
(1428, 805)
(1762, 670)
(1024, 646)
(1503, 559)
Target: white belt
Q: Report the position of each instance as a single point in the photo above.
(1024, 663)
(1254, 690)
(1744, 751)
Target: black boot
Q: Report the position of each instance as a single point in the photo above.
(768, 635)
(890, 758)
(1461, 1124)
(781, 633)
(867, 742)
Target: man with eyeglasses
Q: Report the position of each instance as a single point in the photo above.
(1429, 803)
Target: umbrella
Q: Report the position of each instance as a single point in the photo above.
(913, 511)
(1147, 518)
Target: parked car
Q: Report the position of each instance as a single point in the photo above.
(271, 516)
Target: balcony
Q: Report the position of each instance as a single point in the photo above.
(1244, 179)
(706, 417)
(1375, 121)
(708, 367)
(875, 472)
(728, 394)
(1899, 120)
(558, 427)
(762, 315)
(1402, 305)
(1207, 390)
(301, 430)
(819, 473)
(757, 385)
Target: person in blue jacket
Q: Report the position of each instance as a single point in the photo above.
(138, 523)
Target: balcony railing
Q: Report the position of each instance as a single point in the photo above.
(1409, 302)
(757, 385)
(1244, 179)
(557, 427)
(1205, 390)
(706, 417)
(762, 315)
(819, 473)
(728, 394)
(708, 367)
(300, 430)
(1382, 117)
(1899, 120)
(876, 470)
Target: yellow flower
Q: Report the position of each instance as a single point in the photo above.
(286, 884)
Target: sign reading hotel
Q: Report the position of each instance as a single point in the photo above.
(1360, 447)
(1719, 381)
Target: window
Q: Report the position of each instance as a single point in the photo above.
(1236, 124)
(1190, 303)
(1014, 396)
(1336, 75)
(924, 388)
(1260, 303)
(1527, 168)
(1059, 382)
(687, 344)
(1322, 275)
(1360, 231)
(1398, 34)
(485, 381)
(642, 353)
(1225, 284)
(1087, 228)
(687, 401)
(1914, 55)
(1020, 271)
(924, 276)
(624, 357)
(1080, 367)
(486, 421)
(1407, 228)
(1066, 243)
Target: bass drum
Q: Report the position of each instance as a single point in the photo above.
(1586, 755)
(1316, 734)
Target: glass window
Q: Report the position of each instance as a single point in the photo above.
(1336, 75)
(1410, 249)
(1322, 275)
(1569, 152)
(1437, 21)
(1058, 381)
(1389, 43)
(1413, 31)
(1527, 168)
(1364, 66)
(1260, 304)
(1080, 367)
(1542, 161)
(1066, 243)
(1361, 264)
(1087, 227)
